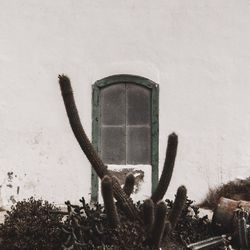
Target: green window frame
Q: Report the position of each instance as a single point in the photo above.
(96, 115)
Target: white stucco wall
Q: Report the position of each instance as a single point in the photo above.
(198, 52)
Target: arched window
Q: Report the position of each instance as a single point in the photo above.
(125, 123)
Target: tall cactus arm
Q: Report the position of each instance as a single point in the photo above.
(167, 168)
(107, 194)
(148, 215)
(88, 149)
(179, 203)
(75, 123)
(159, 224)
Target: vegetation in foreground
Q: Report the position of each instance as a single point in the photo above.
(38, 225)
(154, 224)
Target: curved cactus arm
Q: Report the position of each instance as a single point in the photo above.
(129, 184)
(159, 224)
(179, 203)
(167, 168)
(107, 194)
(75, 123)
(88, 149)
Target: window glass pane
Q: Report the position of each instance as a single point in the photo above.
(113, 105)
(113, 147)
(138, 105)
(138, 145)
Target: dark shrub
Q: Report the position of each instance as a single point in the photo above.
(88, 228)
(31, 224)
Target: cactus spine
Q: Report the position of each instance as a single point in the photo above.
(107, 194)
(179, 203)
(129, 184)
(167, 168)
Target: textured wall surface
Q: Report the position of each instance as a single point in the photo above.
(198, 52)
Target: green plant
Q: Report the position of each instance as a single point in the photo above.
(159, 224)
(129, 184)
(88, 149)
(167, 169)
(148, 215)
(88, 228)
(191, 227)
(124, 202)
(110, 208)
(179, 203)
(31, 224)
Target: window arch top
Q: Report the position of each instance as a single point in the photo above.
(139, 80)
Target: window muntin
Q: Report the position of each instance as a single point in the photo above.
(125, 124)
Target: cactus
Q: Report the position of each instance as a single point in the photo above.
(167, 168)
(88, 149)
(179, 203)
(129, 184)
(107, 194)
(154, 219)
(148, 215)
(167, 231)
(168, 228)
(75, 122)
(159, 224)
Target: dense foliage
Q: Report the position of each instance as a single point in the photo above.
(31, 224)
(88, 228)
(36, 224)
(191, 227)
